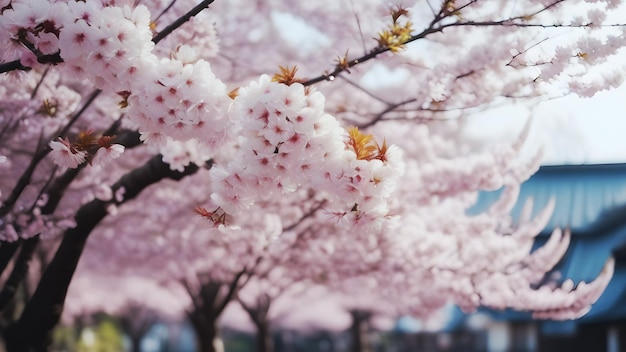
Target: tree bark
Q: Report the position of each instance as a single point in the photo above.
(264, 341)
(207, 332)
(7, 250)
(31, 332)
(259, 316)
(135, 343)
(359, 331)
(20, 270)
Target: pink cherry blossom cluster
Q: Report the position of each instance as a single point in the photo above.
(287, 141)
(181, 101)
(29, 26)
(102, 44)
(65, 154)
(28, 224)
(167, 98)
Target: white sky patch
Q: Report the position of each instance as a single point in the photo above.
(572, 130)
(600, 122)
(295, 31)
(380, 76)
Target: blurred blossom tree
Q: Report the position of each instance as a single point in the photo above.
(355, 178)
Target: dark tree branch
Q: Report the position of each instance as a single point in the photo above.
(7, 250)
(259, 316)
(40, 82)
(389, 108)
(232, 290)
(80, 112)
(9, 127)
(20, 270)
(22, 182)
(180, 21)
(257, 313)
(165, 10)
(195, 301)
(40, 153)
(12, 66)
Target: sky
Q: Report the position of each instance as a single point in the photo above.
(571, 130)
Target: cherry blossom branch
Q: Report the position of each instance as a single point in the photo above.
(40, 154)
(86, 105)
(305, 216)
(13, 66)
(9, 126)
(195, 302)
(27, 175)
(41, 58)
(435, 28)
(506, 23)
(395, 108)
(40, 82)
(57, 59)
(389, 108)
(366, 91)
(43, 310)
(165, 10)
(232, 290)
(258, 314)
(345, 66)
(23, 181)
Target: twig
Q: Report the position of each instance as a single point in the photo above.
(180, 21)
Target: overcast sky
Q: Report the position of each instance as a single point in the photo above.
(572, 130)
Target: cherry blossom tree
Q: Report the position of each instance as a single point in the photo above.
(106, 102)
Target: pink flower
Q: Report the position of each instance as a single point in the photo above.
(106, 154)
(63, 154)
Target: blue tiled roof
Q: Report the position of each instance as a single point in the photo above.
(589, 198)
(591, 201)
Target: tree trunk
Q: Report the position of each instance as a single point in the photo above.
(207, 332)
(359, 331)
(209, 301)
(258, 314)
(264, 342)
(135, 343)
